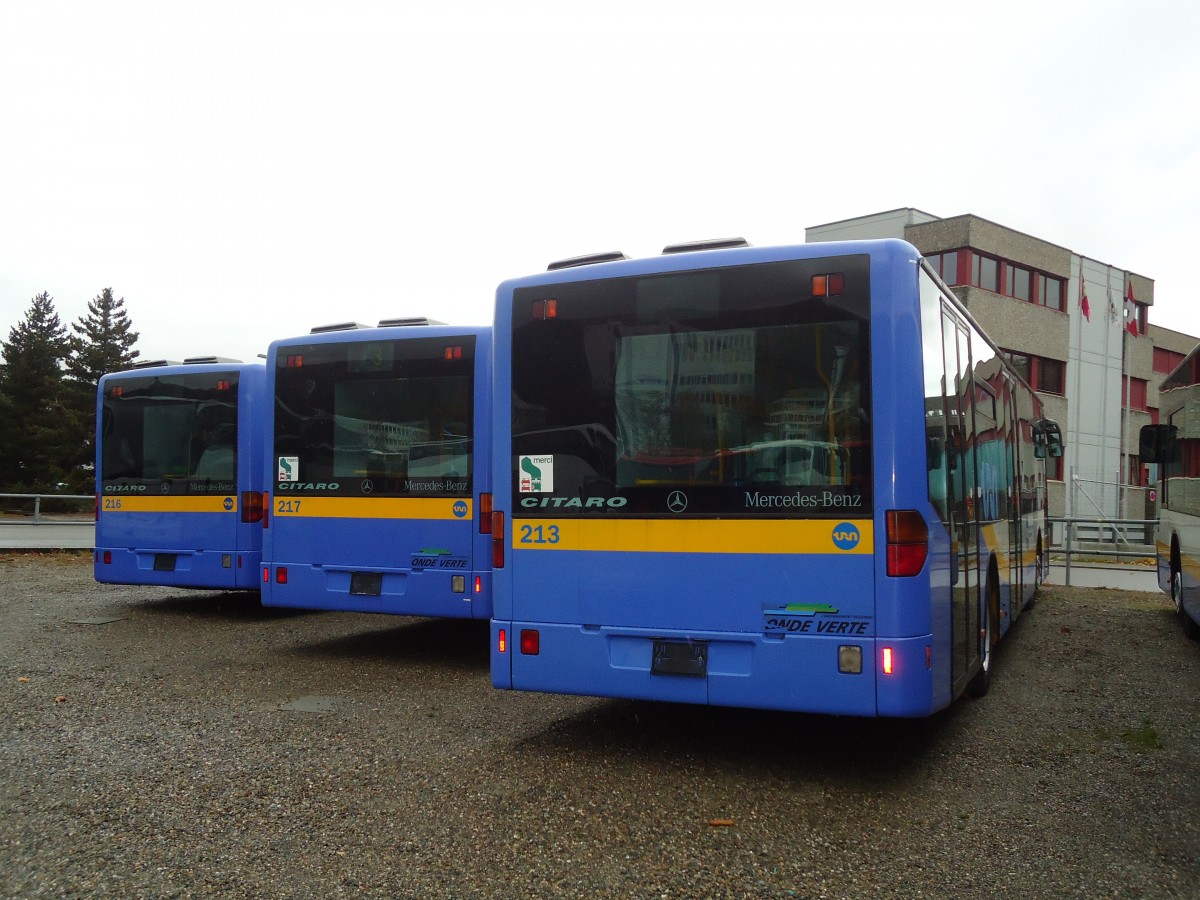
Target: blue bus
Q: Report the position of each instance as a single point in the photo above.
(1174, 444)
(179, 462)
(795, 478)
(380, 492)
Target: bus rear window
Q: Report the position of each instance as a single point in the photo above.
(177, 434)
(729, 391)
(384, 418)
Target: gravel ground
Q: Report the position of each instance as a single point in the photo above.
(199, 745)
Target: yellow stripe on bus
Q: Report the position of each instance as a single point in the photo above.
(372, 507)
(206, 504)
(834, 536)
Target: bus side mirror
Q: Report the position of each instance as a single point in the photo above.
(1047, 439)
(1156, 443)
(1054, 441)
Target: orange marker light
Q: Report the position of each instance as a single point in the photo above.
(887, 660)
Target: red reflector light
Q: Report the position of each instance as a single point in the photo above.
(117, 391)
(294, 361)
(452, 352)
(907, 542)
(497, 540)
(108, 557)
(223, 384)
(253, 506)
(485, 513)
(887, 660)
(538, 309)
(551, 309)
(266, 575)
(478, 585)
(531, 641)
(502, 641)
(819, 287)
(837, 283)
(281, 575)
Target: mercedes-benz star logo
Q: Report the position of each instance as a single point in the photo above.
(367, 486)
(677, 502)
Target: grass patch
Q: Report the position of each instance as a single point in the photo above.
(1142, 739)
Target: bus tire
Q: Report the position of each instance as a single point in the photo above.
(1039, 575)
(981, 683)
(1190, 627)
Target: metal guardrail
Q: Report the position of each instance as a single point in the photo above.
(1092, 537)
(37, 499)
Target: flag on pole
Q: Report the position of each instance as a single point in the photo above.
(1131, 310)
(1084, 306)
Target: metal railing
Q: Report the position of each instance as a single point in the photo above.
(52, 518)
(1092, 538)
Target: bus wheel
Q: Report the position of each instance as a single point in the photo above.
(1040, 564)
(982, 682)
(1190, 627)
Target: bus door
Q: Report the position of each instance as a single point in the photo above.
(960, 501)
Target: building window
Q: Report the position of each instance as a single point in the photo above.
(1020, 362)
(1137, 472)
(1166, 361)
(1045, 375)
(1054, 468)
(946, 265)
(1135, 394)
(1050, 375)
(985, 273)
(1050, 291)
(1016, 281)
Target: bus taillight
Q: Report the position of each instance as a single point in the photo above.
(828, 285)
(907, 542)
(497, 540)
(531, 641)
(253, 507)
(887, 660)
(502, 641)
(485, 513)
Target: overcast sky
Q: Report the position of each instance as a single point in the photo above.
(243, 171)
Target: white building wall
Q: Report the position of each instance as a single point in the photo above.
(1093, 463)
(889, 224)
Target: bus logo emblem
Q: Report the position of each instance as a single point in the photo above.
(228, 504)
(677, 502)
(845, 536)
(289, 468)
(459, 508)
(536, 475)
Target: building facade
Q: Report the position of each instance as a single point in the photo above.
(1076, 328)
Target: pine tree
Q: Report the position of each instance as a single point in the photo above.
(32, 447)
(102, 342)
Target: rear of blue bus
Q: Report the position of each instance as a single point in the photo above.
(380, 500)
(179, 461)
(711, 482)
